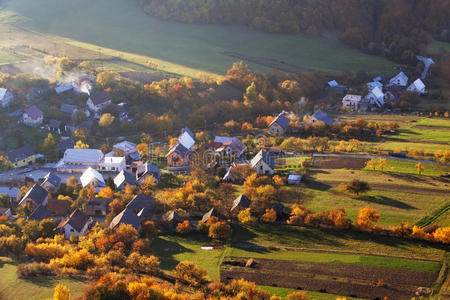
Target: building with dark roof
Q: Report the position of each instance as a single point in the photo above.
(321, 116)
(279, 125)
(37, 195)
(124, 178)
(211, 213)
(33, 116)
(241, 202)
(139, 202)
(98, 101)
(21, 157)
(126, 216)
(39, 213)
(51, 182)
(146, 170)
(263, 163)
(77, 223)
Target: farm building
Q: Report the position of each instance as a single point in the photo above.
(33, 116)
(63, 88)
(78, 160)
(126, 216)
(375, 97)
(36, 196)
(227, 145)
(146, 170)
(112, 164)
(127, 149)
(240, 203)
(279, 125)
(124, 178)
(211, 213)
(5, 97)
(51, 182)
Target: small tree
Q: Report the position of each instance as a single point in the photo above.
(383, 163)
(357, 186)
(245, 216)
(190, 273)
(269, 216)
(219, 230)
(371, 164)
(62, 292)
(366, 217)
(419, 168)
(184, 227)
(298, 296)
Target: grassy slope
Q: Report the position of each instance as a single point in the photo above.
(12, 288)
(283, 292)
(410, 168)
(121, 25)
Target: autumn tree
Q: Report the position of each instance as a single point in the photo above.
(49, 146)
(80, 145)
(106, 192)
(191, 273)
(219, 230)
(269, 216)
(142, 148)
(419, 168)
(245, 216)
(383, 163)
(367, 216)
(183, 227)
(61, 292)
(357, 186)
(106, 120)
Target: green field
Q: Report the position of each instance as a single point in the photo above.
(121, 25)
(12, 288)
(408, 167)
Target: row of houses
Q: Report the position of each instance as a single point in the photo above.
(381, 93)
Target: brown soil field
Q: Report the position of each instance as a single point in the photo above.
(339, 162)
(342, 279)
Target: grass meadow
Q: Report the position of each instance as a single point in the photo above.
(122, 26)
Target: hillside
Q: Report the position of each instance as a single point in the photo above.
(123, 26)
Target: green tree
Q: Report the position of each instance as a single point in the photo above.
(49, 146)
(357, 186)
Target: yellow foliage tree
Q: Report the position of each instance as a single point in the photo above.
(270, 216)
(366, 217)
(245, 216)
(106, 192)
(383, 163)
(419, 168)
(61, 292)
(81, 145)
(106, 120)
(371, 164)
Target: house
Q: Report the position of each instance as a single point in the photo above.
(174, 218)
(124, 178)
(11, 192)
(187, 139)
(177, 157)
(98, 207)
(68, 110)
(36, 196)
(5, 212)
(51, 182)
(262, 163)
(332, 83)
(375, 97)
(351, 101)
(77, 223)
(141, 205)
(392, 94)
(63, 145)
(39, 213)
(5, 97)
(294, 179)
(78, 160)
(417, 87)
(240, 203)
(148, 169)
(279, 125)
(321, 116)
(126, 216)
(33, 116)
(400, 80)
(58, 207)
(118, 111)
(91, 176)
(55, 126)
(228, 145)
(211, 213)
(21, 157)
(98, 101)
(374, 84)
(112, 164)
(63, 88)
(127, 149)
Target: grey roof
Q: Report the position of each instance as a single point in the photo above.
(36, 193)
(53, 179)
(54, 124)
(34, 112)
(174, 217)
(63, 88)
(322, 116)
(148, 169)
(68, 108)
(83, 156)
(211, 213)
(126, 216)
(125, 146)
(265, 156)
(77, 220)
(281, 120)
(139, 202)
(180, 149)
(21, 153)
(186, 129)
(242, 201)
(39, 214)
(99, 97)
(124, 177)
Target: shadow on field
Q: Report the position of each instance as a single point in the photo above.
(315, 185)
(165, 250)
(410, 178)
(383, 200)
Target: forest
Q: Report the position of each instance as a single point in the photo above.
(394, 29)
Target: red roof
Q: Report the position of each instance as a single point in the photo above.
(58, 207)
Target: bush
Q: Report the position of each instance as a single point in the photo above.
(183, 227)
(34, 270)
(220, 230)
(44, 251)
(190, 273)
